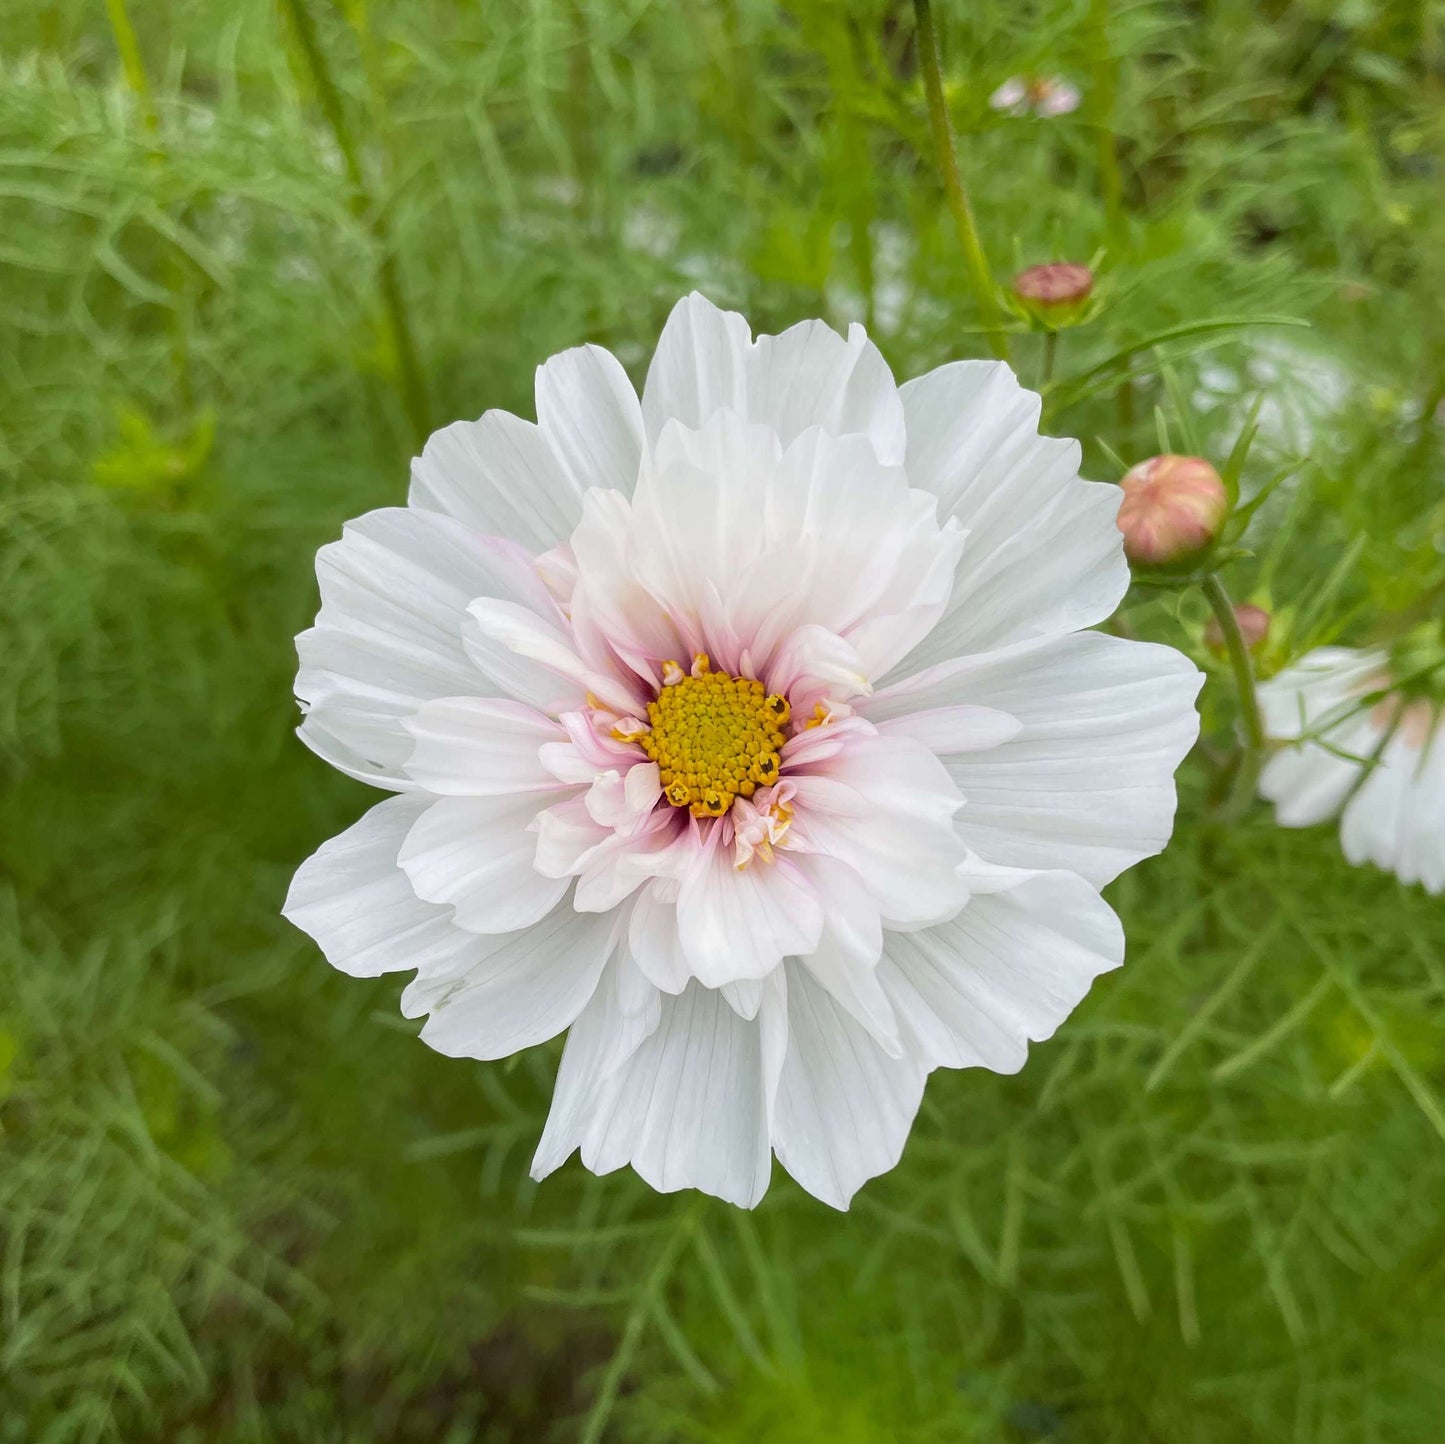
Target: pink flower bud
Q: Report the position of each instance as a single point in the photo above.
(1253, 626)
(1057, 283)
(1174, 507)
(1053, 295)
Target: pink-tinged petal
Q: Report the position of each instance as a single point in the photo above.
(1006, 971)
(885, 806)
(565, 834)
(480, 747)
(1058, 98)
(500, 476)
(476, 855)
(1012, 96)
(589, 413)
(354, 900)
(622, 802)
(687, 1109)
(536, 661)
(589, 750)
(813, 663)
(844, 1107)
(394, 595)
(1087, 784)
(741, 923)
(527, 988)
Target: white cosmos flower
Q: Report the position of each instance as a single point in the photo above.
(748, 732)
(1376, 754)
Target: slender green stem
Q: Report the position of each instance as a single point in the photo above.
(1252, 752)
(131, 60)
(373, 216)
(1046, 366)
(974, 258)
(1101, 104)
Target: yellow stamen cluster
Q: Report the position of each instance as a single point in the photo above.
(714, 737)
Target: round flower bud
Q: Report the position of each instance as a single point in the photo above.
(1253, 627)
(1055, 293)
(1174, 507)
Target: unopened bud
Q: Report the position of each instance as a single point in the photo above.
(1174, 507)
(1053, 294)
(1253, 627)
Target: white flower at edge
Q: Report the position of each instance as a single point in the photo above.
(1379, 757)
(766, 913)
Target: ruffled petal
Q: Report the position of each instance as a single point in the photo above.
(1006, 971)
(742, 922)
(1043, 555)
(589, 413)
(885, 807)
(476, 855)
(501, 477)
(524, 988)
(1087, 783)
(394, 595)
(352, 897)
(687, 1108)
(480, 747)
(844, 1107)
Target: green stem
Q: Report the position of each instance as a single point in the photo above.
(1252, 752)
(1102, 106)
(131, 60)
(373, 216)
(974, 258)
(1046, 367)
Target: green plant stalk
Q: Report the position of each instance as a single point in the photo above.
(976, 262)
(1252, 754)
(366, 209)
(1102, 103)
(132, 62)
(1046, 365)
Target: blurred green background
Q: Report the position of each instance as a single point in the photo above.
(250, 252)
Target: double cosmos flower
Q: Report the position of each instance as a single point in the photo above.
(747, 732)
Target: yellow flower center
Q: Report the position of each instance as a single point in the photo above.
(714, 737)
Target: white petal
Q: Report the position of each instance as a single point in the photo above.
(699, 366)
(535, 660)
(500, 476)
(1397, 818)
(1006, 971)
(526, 988)
(845, 962)
(480, 747)
(884, 806)
(588, 411)
(653, 938)
(687, 1109)
(742, 922)
(355, 901)
(844, 1107)
(811, 376)
(476, 854)
(947, 730)
(1308, 783)
(1043, 555)
(808, 376)
(1324, 685)
(1088, 782)
(394, 595)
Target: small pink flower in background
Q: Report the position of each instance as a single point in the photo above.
(1043, 95)
(1173, 509)
(748, 731)
(1381, 766)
